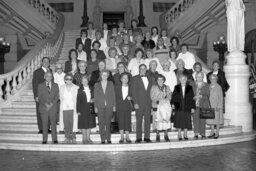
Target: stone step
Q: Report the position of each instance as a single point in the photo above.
(24, 104)
(19, 111)
(28, 92)
(37, 146)
(18, 119)
(22, 128)
(27, 98)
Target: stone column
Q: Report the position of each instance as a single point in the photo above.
(85, 17)
(238, 107)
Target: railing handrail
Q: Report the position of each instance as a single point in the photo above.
(34, 52)
(176, 6)
(38, 4)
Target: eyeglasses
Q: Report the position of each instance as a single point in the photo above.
(68, 79)
(58, 68)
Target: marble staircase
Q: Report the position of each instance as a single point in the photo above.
(18, 131)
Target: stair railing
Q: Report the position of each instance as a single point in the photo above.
(177, 10)
(11, 83)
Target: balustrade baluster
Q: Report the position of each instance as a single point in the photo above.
(32, 66)
(29, 71)
(14, 84)
(19, 80)
(24, 81)
(1, 91)
(8, 88)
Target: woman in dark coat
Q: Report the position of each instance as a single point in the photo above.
(183, 104)
(71, 64)
(123, 106)
(86, 120)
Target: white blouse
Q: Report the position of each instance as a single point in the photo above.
(67, 96)
(125, 91)
(88, 94)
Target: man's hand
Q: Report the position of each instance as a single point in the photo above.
(136, 106)
(36, 99)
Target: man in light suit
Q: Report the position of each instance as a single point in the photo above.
(48, 96)
(38, 78)
(141, 87)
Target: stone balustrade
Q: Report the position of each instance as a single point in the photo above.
(44, 9)
(177, 10)
(12, 82)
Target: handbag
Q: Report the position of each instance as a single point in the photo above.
(207, 113)
(172, 117)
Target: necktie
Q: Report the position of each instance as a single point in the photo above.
(48, 87)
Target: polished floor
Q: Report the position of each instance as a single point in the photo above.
(238, 157)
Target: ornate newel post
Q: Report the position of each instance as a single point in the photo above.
(141, 17)
(4, 48)
(85, 17)
(237, 106)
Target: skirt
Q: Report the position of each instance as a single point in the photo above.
(182, 120)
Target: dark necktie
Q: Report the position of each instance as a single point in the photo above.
(48, 88)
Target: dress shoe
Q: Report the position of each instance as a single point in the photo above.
(211, 136)
(66, 141)
(121, 141)
(102, 142)
(216, 136)
(44, 142)
(147, 140)
(186, 138)
(55, 142)
(157, 138)
(138, 141)
(109, 142)
(128, 141)
(61, 132)
(203, 137)
(179, 138)
(196, 137)
(40, 132)
(166, 138)
(49, 131)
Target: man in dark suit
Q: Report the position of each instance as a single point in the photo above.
(141, 87)
(85, 41)
(48, 96)
(38, 78)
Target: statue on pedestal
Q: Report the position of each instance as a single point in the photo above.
(235, 23)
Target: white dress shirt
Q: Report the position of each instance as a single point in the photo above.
(145, 82)
(188, 58)
(125, 91)
(171, 79)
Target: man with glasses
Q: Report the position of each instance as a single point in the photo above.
(48, 97)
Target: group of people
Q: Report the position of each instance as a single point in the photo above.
(114, 73)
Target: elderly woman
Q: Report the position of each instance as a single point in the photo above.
(105, 105)
(112, 61)
(149, 57)
(71, 65)
(182, 71)
(123, 106)
(133, 66)
(121, 68)
(95, 76)
(170, 76)
(221, 77)
(68, 94)
(183, 104)
(198, 68)
(80, 73)
(152, 72)
(216, 100)
(86, 120)
(161, 96)
(202, 93)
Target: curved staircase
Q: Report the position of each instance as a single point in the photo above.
(18, 128)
